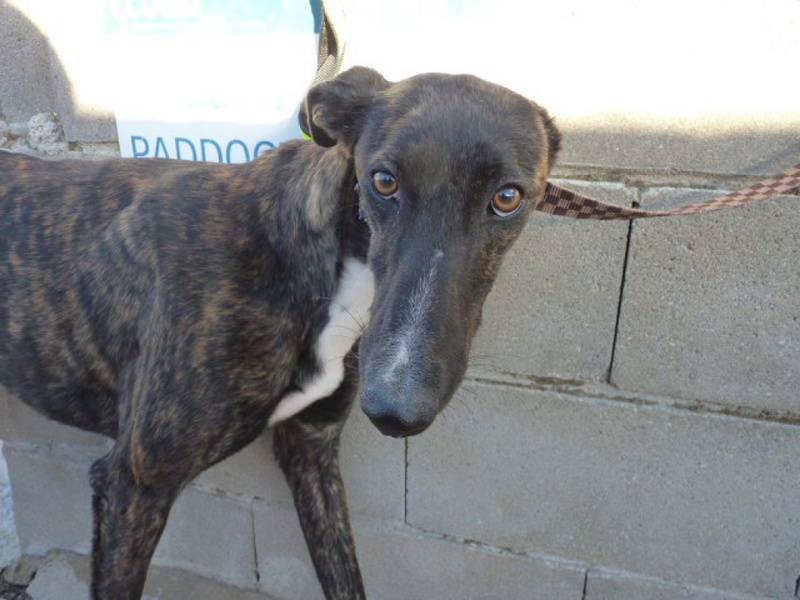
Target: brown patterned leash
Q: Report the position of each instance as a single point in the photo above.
(566, 203)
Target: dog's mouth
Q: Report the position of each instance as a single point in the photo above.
(398, 428)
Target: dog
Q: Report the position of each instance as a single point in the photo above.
(182, 308)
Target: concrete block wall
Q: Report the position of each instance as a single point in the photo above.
(628, 428)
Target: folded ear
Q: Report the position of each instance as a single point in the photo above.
(553, 136)
(335, 109)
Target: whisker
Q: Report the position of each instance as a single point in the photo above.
(462, 402)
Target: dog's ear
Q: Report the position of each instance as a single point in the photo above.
(335, 109)
(553, 135)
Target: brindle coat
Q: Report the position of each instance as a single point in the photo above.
(171, 306)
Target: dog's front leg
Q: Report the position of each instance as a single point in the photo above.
(128, 521)
(307, 449)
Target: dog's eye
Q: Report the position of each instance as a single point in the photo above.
(384, 184)
(506, 201)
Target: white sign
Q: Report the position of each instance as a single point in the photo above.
(211, 80)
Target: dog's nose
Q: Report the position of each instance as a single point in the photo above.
(396, 427)
(390, 418)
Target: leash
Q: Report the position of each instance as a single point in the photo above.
(332, 46)
(330, 51)
(566, 203)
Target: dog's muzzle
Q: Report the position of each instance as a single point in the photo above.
(385, 408)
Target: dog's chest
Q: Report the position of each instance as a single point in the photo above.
(348, 315)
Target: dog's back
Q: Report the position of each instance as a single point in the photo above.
(48, 221)
(98, 259)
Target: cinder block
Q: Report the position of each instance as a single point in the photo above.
(373, 468)
(284, 565)
(20, 423)
(602, 584)
(710, 309)
(553, 310)
(399, 564)
(688, 497)
(373, 465)
(81, 123)
(52, 499)
(251, 473)
(610, 143)
(26, 86)
(9, 543)
(53, 69)
(210, 534)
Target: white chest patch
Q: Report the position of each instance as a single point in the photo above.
(348, 315)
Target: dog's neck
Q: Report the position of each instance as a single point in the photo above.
(327, 186)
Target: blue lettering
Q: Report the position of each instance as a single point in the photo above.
(262, 147)
(137, 153)
(178, 142)
(242, 145)
(203, 144)
(161, 146)
(209, 150)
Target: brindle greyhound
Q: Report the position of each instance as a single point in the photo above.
(181, 308)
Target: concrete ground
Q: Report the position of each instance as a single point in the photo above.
(65, 576)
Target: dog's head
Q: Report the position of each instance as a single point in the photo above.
(449, 168)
